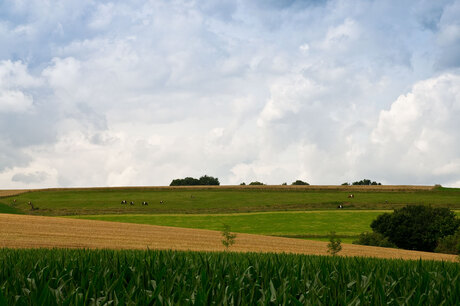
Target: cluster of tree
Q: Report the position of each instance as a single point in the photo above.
(415, 227)
(190, 181)
(299, 182)
(362, 182)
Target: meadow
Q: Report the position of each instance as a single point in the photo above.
(102, 277)
(226, 200)
(306, 224)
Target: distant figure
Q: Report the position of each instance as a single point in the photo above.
(14, 200)
(131, 203)
(145, 203)
(340, 206)
(161, 202)
(124, 202)
(351, 196)
(386, 202)
(32, 207)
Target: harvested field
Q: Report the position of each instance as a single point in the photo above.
(9, 193)
(20, 231)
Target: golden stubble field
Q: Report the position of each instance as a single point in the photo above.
(12, 192)
(22, 231)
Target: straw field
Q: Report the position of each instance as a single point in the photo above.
(21, 231)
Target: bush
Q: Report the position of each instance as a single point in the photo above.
(416, 227)
(299, 182)
(449, 244)
(374, 239)
(256, 183)
(190, 181)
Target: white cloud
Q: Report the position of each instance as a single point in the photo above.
(130, 93)
(418, 135)
(14, 101)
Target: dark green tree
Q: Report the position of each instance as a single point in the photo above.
(208, 180)
(256, 183)
(416, 227)
(366, 182)
(299, 182)
(190, 181)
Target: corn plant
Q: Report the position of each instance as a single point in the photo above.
(99, 277)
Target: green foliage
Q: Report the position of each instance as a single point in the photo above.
(104, 277)
(335, 244)
(374, 239)
(243, 184)
(449, 244)
(299, 182)
(416, 227)
(256, 183)
(190, 181)
(346, 184)
(229, 238)
(366, 182)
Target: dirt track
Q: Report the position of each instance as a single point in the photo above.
(20, 231)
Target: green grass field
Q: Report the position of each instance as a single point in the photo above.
(300, 224)
(107, 201)
(306, 224)
(8, 209)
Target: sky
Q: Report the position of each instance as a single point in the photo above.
(137, 93)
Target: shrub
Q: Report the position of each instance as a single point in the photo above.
(256, 183)
(374, 239)
(416, 227)
(299, 182)
(449, 244)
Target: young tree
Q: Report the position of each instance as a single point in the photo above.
(229, 238)
(335, 244)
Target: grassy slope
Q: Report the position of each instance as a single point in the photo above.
(8, 209)
(310, 223)
(307, 224)
(215, 200)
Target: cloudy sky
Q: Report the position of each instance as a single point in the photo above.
(118, 93)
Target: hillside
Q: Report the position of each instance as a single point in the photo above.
(227, 199)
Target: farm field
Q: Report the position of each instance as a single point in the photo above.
(22, 231)
(305, 224)
(104, 277)
(227, 199)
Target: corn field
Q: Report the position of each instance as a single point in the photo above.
(104, 277)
